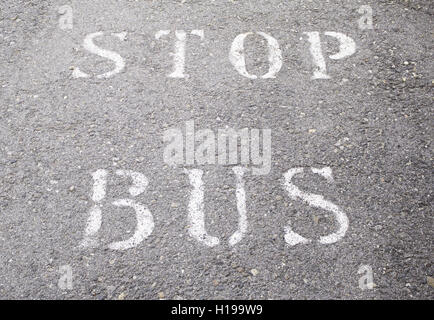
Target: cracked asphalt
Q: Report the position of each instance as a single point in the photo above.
(371, 123)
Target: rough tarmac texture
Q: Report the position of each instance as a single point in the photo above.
(372, 123)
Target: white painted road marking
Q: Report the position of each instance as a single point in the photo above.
(95, 216)
(179, 54)
(317, 201)
(145, 221)
(196, 216)
(90, 46)
(241, 207)
(145, 225)
(347, 47)
(236, 56)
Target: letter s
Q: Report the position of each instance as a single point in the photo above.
(317, 201)
(90, 46)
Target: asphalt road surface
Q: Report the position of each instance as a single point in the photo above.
(89, 88)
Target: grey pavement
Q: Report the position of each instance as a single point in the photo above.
(371, 123)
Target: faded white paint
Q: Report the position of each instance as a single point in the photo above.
(179, 53)
(93, 225)
(325, 172)
(161, 33)
(293, 238)
(120, 35)
(90, 46)
(196, 217)
(198, 33)
(274, 56)
(99, 185)
(77, 73)
(241, 207)
(347, 47)
(237, 56)
(317, 201)
(94, 220)
(320, 71)
(139, 181)
(145, 225)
